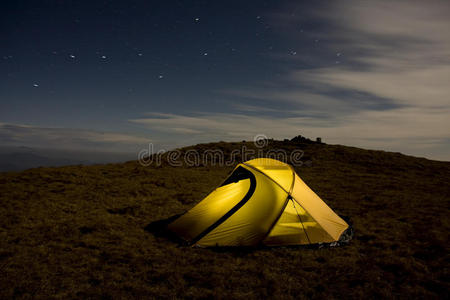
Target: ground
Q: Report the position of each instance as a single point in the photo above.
(80, 231)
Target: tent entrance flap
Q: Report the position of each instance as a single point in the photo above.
(216, 207)
(241, 174)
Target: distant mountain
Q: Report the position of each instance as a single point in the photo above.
(21, 158)
(16, 161)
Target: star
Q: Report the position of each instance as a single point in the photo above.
(160, 76)
(35, 85)
(205, 54)
(104, 57)
(72, 56)
(139, 54)
(197, 19)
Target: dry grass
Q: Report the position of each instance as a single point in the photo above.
(79, 232)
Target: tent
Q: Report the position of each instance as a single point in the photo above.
(263, 201)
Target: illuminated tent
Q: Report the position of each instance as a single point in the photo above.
(263, 201)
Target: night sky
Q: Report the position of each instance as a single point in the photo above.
(116, 75)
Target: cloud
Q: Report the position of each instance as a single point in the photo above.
(398, 50)
(67, 138)
(370, 129)
(220, 126)
(389, 90)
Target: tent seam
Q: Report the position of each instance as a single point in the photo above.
(258, 170)
(289, 196)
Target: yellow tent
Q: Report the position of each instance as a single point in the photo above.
(263, 201)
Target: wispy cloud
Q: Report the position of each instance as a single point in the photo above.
(399, 50)
(370, 129)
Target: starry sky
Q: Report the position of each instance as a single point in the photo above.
(118, 75)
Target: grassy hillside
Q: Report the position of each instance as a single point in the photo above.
(79, 232)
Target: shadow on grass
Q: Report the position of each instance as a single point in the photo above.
(159, 229)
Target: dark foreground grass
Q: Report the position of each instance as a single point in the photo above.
(80, 232)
